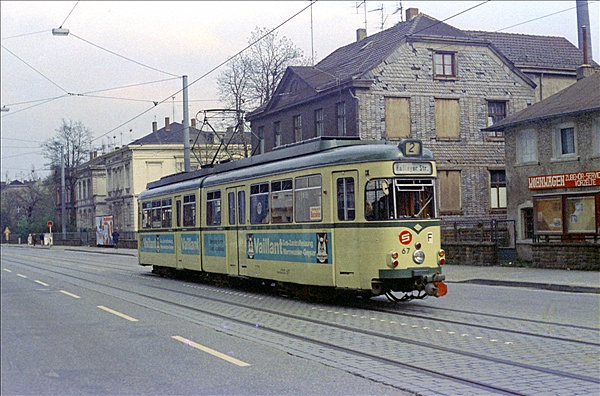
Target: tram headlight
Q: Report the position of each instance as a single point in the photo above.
(419, 256)
(392, 261)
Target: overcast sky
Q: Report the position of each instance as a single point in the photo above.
(143, 49)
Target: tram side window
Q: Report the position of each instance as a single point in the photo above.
(189, 210)
(390, 199)
(147, 215)
(156, 209)
(231, 207)
(282, 201)
(307, 201)
(213, 208)
(242, 207)
(167, 213)
(345, 198)
(259, 203)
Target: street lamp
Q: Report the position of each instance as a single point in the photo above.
(60, 31)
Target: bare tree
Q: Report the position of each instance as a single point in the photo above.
(74, 141)
(251, 77)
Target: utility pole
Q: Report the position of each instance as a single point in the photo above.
(186, 127)
(62, 193)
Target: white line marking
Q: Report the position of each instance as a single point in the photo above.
(69, 294)
(119, 314)
(42, 283)
(211, 351)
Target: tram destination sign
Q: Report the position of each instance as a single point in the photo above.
(565, 180)
(413, 168)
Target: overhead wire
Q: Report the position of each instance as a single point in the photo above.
(61, 25)
(213, 69)
(124, 57)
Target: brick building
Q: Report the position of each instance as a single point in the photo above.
(553, 175)
(428, 80)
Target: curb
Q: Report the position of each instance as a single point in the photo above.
(533, 285)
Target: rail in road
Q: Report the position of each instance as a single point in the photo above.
(421, 349)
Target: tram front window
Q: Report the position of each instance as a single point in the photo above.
(396, 199)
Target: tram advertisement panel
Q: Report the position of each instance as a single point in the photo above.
(161, 243)
(295, 247)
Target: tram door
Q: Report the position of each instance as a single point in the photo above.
(236, 214)
(348, 236)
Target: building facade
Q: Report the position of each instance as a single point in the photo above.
(553, 176)
(109, 184)
(422, 79)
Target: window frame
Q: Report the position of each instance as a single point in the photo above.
(319, 123)
(340, 117)
(305, 188)
(297, 122)
(498, 189)
(213, 208)
(441, 68)
(527, 146)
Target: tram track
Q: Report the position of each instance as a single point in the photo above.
(134, 297)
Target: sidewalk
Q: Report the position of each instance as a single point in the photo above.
(539, 278)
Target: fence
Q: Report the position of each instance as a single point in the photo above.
(127, 239)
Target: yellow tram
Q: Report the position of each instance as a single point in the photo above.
(326, 214)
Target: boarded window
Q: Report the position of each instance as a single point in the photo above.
(397, 118)
(450, 191)
(447, 118)
(526, 146)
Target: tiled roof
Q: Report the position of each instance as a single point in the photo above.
(173, 136)
(359, 57)
(447, 155)
(526, 50)
(583, 96)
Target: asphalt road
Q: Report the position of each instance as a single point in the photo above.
(83, 323)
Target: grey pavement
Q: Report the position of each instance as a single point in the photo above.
(539, 278)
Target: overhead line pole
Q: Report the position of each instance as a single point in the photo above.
(186, 127)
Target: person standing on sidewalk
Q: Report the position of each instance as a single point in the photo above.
(115, 237)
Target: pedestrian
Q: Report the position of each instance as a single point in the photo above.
(115, 237)
(30, 240)
(33, 239)
(41, 239)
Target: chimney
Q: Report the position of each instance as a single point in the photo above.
(361, 34)
(154, 126)
(584, 70)
(193, 123)
(584, 38)
(167, 124)
(411, 13)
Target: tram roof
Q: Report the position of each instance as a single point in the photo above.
(313, 153)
